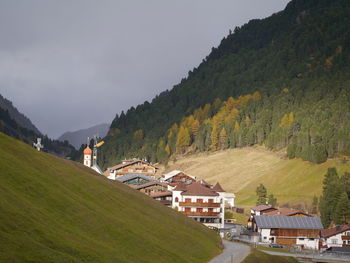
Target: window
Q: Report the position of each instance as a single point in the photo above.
(301, 238)
(187, 200)
(334, 241)
(210, 200)
(265, 237)
(199, 200)
(187, 209)
(311, 239)
(176, 199)
(199, 210)
(210, 209)
(344, 242)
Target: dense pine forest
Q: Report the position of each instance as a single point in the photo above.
(282, 82)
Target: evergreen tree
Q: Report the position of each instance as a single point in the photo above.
(272, 200)
(262, 195)
(342, 210)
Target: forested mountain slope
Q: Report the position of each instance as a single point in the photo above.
(54, 210)
(296, 67)
(18, 117)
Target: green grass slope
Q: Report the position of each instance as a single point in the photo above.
(53, 210)
(242, 170)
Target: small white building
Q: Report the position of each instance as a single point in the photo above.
(338, 236)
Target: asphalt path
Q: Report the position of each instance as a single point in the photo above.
(233, 253)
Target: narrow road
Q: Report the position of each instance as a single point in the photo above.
(233, 253)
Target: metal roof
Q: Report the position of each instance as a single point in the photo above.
(128, 177)
(289, 222)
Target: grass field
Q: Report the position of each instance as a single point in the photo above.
(242, 170)
(257, 256)
(54, 210)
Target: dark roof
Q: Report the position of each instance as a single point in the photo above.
(261, 207)
(128, 177)
(334, 231)
(218, 188)
(198, 189)
(288, 222)
(149, 184)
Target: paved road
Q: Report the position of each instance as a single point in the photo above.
(321, 258)
(237, 250)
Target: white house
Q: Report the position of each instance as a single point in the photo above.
(338, 236)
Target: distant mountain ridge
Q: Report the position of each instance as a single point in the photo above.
(19, 117)
(77, 138)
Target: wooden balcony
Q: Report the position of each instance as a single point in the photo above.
(190, 204)
(345, 237)
(200, 213)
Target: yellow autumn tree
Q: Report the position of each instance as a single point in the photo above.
(138, 135)
(214, 138)
(223, 139)
(195, 128)
(237, 127)
(167, 149)
(183, 139)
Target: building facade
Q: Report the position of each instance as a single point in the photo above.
(201, 203)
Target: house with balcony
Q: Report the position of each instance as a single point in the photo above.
(132, 166)
(199, 202)
(338, 236)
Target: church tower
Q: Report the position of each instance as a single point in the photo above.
(87, 156)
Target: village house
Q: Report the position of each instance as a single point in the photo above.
(260, 210)
(338, 236)
(285, 211)
(199, 202)
(300, 231)
(177, 176)
(165, 197)
(132, 166)
(152, 187)
(135, 179)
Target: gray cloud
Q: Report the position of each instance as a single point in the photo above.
(72, 64)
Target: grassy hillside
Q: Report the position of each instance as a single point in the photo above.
(242, 170)
(53, 210)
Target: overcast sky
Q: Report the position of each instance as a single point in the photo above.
(72, 64)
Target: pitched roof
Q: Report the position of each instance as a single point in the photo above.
(129, 162)
(174, 173)
(334, 231)
(218, 188)
(198, 189)
(128, 177)
(181, 187)
(284, 211)
(288, 222)
(149, 184)
(159, 194)
(261, 207)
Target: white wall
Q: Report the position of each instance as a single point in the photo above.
(309, 243)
